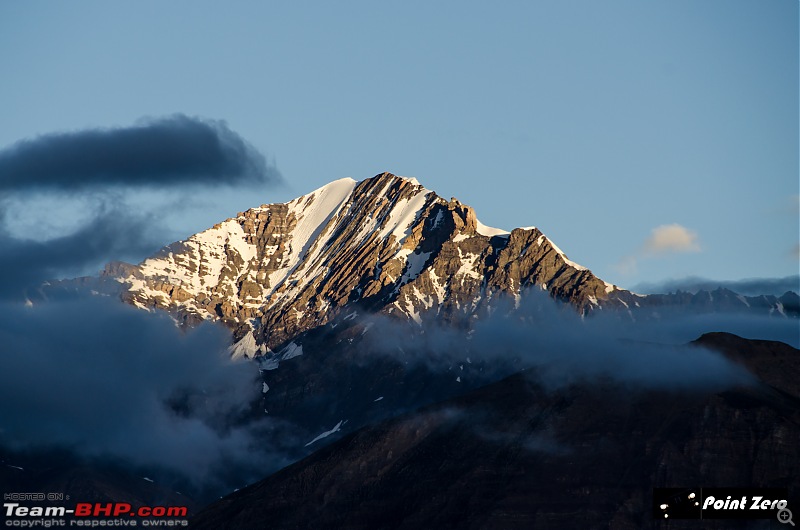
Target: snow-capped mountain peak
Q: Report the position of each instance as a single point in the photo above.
(386, 243)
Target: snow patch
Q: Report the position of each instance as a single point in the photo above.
(564, 257)
(469, 262)
(403, 215)
(267, 364)
(438, 219)
(438, 289)
(291, 351)
(488, 231)
(312, 211)
(412, 180)
(246, 347)
(743, 300)
(336, 429)
(416, 262)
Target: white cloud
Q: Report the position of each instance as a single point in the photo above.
(671, 238)
(664, 239)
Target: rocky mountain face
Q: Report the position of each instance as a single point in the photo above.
(385, 244)
(514, 454)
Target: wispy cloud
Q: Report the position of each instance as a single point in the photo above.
(664, 239)
(629, 265)
(113, 232)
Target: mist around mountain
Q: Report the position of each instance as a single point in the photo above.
(227, 357)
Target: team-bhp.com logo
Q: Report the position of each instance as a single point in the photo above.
(88, 509)
(85, 509)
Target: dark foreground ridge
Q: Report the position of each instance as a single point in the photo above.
(513, 455)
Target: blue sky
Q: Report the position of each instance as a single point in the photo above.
(649, 139)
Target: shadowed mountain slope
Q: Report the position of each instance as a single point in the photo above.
(515, 455)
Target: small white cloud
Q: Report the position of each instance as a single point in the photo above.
(663, 239)
(671, 238)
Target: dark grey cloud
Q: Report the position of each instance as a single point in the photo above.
(113, 232)
(750, 286)
(100, 164)
(174, 150)
(106, 380)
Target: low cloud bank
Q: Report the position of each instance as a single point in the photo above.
(106, 380)
(561, 348)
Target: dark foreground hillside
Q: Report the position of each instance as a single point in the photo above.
(515, 455)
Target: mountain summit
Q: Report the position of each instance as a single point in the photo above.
(386, 244)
